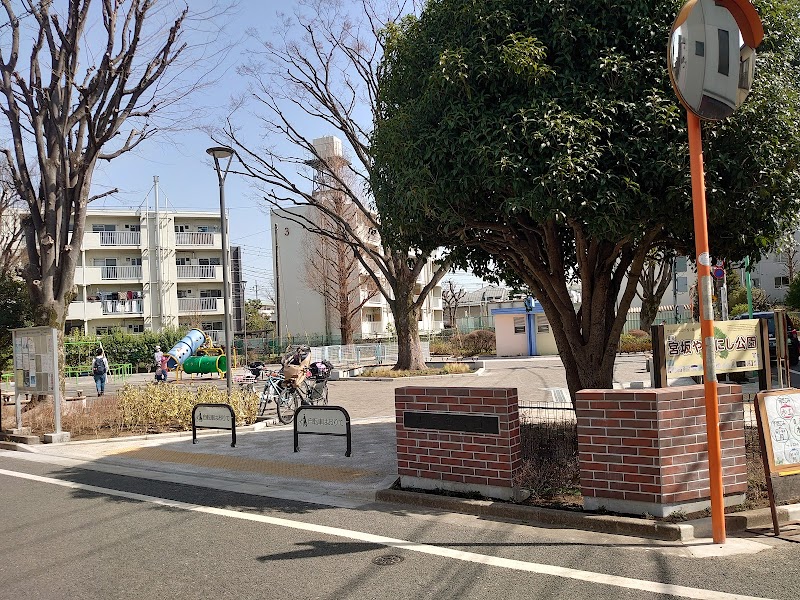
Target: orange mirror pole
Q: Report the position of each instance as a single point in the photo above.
(707, 329)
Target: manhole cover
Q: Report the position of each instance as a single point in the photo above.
(387, 559)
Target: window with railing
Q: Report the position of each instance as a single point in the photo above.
(119, 238)
(194, 305)
(123, 307)
(196, 272)
(114, 272)
(194, 238)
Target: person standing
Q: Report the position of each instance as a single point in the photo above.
(157, 356)
(164, 367)
(100, 371)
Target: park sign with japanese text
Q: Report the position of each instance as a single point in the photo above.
(737, 347)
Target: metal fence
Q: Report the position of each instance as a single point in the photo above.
(379, 353)
(667, 314)
(371, 353)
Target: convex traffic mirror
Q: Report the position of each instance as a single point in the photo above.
(712, 55)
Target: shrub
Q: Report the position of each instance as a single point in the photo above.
(121, 347)
(441, 347)
(638, 333)
(156, 407)
(632, 343)
(739, 309)
(481, 341)
(549, 458)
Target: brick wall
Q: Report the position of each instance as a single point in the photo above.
(457, 460)
(648, 447)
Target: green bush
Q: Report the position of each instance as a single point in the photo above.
(739, 309)
(121, 347)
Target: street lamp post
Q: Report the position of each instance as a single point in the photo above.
(244, 318)
(221, 153)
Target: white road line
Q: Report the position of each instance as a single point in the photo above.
(506, 563)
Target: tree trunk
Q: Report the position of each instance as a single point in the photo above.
(409, 347)
(346, 327)
(650, 306)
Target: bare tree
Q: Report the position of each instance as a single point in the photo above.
(10, 226)
(788, 249)
(63, 118)
(333, 269)
(653, 283)
(451, 297)
(324, 66)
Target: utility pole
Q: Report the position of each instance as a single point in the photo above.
(277, 291)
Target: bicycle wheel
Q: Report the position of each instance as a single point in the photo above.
(318, 393)
(288, 402)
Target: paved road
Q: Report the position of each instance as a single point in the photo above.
(74, 533)
(145, 519)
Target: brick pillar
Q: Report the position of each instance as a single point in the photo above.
(645, 450)
(458, 439)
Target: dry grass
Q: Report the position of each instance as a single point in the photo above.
(135, 410)
(448, 369)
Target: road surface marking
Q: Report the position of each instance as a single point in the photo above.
(494, 561)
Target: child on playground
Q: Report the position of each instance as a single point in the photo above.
(161, 365)
(164, 367)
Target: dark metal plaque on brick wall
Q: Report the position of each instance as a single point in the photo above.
(451, 422)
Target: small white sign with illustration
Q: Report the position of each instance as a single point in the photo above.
(214, 416)
(317, 420)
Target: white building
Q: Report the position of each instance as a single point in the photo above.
(303, 311)
(145, 270)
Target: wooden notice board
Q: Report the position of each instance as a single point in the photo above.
(778, 417)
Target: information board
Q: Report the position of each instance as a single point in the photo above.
(779, 415)
(35, 359)
(737, 348)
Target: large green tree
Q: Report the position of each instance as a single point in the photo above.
(546, 136)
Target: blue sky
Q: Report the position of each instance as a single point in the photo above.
(186, 176)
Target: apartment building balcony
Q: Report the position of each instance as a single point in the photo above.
(198, 238)
(372, 328)
(376, 300)
(132, 273)
(105, 239)
(198, 305)
(84, 311)
(122, 307)
(199, 272)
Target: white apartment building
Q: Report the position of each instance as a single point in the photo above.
(300, 309)
(144, 270)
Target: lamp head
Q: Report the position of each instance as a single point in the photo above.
(220, 152)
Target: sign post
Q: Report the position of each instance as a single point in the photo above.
(322, 420)
(713, 92)
(214, 416)
(36, 372)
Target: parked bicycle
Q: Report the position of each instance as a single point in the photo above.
(286, 398)
(288, 395)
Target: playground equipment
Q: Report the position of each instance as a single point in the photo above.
(205, 364)
(186, 347)
(195, 353)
